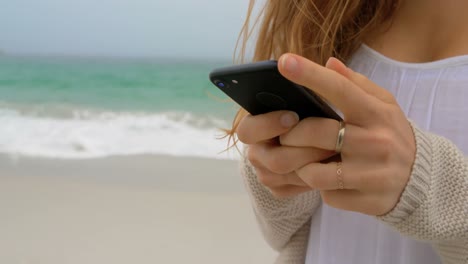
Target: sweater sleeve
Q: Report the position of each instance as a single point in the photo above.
(434, 205)
(285, 223)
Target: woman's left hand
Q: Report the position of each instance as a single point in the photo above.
(378, 149)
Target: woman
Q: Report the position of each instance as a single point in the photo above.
(398, 190)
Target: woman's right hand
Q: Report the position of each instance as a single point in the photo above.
(275, 165)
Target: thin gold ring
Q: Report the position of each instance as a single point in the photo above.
(339, 175)
(340, 138)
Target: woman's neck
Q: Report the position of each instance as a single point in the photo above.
(424, 30)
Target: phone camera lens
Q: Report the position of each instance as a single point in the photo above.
(220, 84)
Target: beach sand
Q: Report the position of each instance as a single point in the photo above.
(135, 209)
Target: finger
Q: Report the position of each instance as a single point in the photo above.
(326, 177)
(360, 80)
(352, 200)
(355, 103)
(273, 180)
(258, 128)
(282, 160)
(313, 132)
(323, 133)
(350, 175)
(289, 191)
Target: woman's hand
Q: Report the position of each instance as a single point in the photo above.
(275, 165)
(378, 150)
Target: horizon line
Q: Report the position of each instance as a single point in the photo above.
(114, 56)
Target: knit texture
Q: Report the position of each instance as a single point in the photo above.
(433, 207)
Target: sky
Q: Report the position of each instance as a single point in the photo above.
(169, 28)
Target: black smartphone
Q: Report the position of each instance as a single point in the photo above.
(259, 88)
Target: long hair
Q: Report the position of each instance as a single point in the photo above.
(315, 29)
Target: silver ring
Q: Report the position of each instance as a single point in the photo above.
(340, 138)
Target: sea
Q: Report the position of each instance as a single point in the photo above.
(91, 107)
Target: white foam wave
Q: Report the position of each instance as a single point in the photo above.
(91, 135)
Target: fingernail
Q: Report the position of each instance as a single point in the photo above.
(289, 119)
(289, 63)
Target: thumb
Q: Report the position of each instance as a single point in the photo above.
(360, 80)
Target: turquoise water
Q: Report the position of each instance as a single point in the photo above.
(83, 107)
(113, 84)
